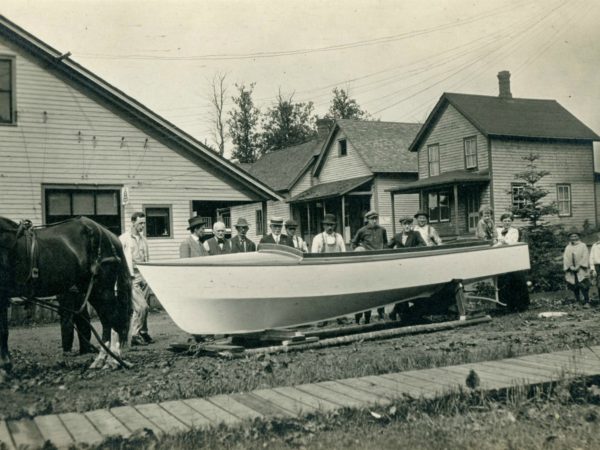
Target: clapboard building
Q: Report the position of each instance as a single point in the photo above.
(71, 144)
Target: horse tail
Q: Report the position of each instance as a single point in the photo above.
(124, 284)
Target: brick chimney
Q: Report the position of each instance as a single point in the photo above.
(504, 84)
(324, 127)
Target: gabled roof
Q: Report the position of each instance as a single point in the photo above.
(383, 146)
(281, 168)
(173, 137)
(511, 117)
(332, 189)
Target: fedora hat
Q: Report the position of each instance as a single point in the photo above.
(241, 222)
(276, 221)
(195, 221)
(329, 218)
(572, 231)
(291, 223)
(421, 212)
(405, 219)
(372, 213)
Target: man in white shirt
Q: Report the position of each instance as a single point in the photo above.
(328, 241)
(290, 228)
(428, 233)
(275, 236)
(218, 245)
(135, 248)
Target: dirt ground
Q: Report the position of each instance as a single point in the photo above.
(44, 381)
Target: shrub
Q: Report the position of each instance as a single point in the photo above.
(546, 246)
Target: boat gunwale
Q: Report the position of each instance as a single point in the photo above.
(342, 258)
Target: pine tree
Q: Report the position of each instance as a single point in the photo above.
(242, 123)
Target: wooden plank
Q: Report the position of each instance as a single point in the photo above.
(161, 417)
(428, 387)
(81, 428)
(370, 388)
(5, 436)
(294, 406)
(25, 433)
(443, 381)
(106, 423)
(261, 405)
(186, 414)
(566, 362)
(53, 430)
(234, 407)
(556, 370)
(307, 399)
(399, 388)
(133, 420)
(213, 413)
(517, 372)
(488, 379)
(368, 398)
(517, 367)
(330, 396)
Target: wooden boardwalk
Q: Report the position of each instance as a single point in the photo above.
(174, 416)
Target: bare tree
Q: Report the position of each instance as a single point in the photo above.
(218, 94)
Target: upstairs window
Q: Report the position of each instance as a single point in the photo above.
(7, 90)
(470, 144)
(433, 155)
(343, 147)
(563, 194)
(158, 221)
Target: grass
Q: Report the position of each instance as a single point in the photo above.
(558, 415)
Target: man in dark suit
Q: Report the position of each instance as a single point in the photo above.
(218, 245)
(275, 236)
(241, 243)
(408, 237)
(192, 246)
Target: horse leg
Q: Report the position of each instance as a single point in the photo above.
(5, 362)
(102, 358)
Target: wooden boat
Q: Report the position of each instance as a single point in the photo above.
(279, 286)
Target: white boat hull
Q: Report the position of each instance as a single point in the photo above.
(252, 292)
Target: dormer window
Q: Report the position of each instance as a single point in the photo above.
(342, 147)
(7, 90)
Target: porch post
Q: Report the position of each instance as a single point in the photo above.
(265, 220)
(343, 215)
(456, 209)
(393, 215)
(308, 217)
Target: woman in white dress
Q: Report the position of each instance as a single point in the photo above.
(507, 234)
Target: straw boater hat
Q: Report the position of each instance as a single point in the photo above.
(371, 214)
(405, 219)
(276, 221)
(421, 213)
(241, 222)
(291, 223)
(195, 221)
(329, 218)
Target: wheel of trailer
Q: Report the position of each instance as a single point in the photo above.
(513, 291)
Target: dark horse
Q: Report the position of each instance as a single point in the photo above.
(48, 261)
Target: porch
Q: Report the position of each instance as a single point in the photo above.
(348, 200)
(452, 200)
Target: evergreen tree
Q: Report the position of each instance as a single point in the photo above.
(530, 197)
(242, 123)
(286, 124)
(344, 107)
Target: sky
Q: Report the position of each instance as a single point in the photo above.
(395, 57)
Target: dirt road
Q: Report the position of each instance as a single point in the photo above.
(44, 381)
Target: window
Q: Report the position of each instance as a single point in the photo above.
(434, 159)
(438, 204)
(343, 147)
(158, 221)
(470, 144)
(260, 224)
(100, 205)
(563, 194)
(518, 202)
(7, 90)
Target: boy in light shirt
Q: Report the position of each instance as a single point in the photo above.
(595, 263)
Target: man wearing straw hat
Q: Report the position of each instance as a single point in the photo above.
(191, 246)
(241, 243)
(428, 233)
(290, 229)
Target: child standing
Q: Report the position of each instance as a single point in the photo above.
(576, 260)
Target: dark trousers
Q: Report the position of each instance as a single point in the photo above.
(72, 301)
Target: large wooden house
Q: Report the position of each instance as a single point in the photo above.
(71, 144)
(472, 146)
